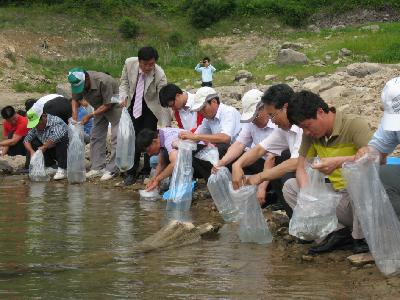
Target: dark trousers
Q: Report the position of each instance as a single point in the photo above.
(208, 83)
(146, 120)
(18, 149)
(56, 154)
(202, 168)
(60, 107)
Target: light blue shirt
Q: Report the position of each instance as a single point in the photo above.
(206, 73)
(385, 141)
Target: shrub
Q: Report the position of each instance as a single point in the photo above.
(175, 38)
(203, 13)
(128, 28)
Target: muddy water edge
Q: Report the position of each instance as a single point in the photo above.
(46, 226)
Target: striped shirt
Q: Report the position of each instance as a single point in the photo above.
(167, 137)
(55, 131)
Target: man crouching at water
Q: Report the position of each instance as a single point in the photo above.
(49, 134)
(159, 143)
(335, 137)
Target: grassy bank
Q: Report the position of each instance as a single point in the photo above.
(95, 43)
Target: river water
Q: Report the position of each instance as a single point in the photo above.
(43, 224)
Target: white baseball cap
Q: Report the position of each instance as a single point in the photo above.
(201, 97)
(251, 102)
(391, 104)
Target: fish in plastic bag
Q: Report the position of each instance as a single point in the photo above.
(76, 171)
(209, 153)
(314, 215)
(378, 220)
(152, 195)
(181, 181)
(125, 151)
(252, 225)
(37, 170)
(218, 185)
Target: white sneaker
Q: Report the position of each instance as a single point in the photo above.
(51, 171)
(94, 173)
(61, 174)
(108, 175)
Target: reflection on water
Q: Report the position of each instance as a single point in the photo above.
(46, 223)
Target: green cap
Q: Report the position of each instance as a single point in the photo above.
(33, 118)
(76, 78)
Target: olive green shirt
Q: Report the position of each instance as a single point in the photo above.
(102, 88)
(349, 134)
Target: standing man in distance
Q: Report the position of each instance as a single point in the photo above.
(97, 88)
(141, 82)
(206, 72)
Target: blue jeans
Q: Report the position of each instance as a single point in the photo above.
(153, 161)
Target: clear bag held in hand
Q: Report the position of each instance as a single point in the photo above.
(125, 151)
(76, 171)
(37, 170)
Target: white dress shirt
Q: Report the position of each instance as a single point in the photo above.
(226, 120)
(188, 118)
(280, 140)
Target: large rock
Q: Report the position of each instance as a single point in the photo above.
(363, 69)
(243, 74)
(320, 85)
(333, 93)
(290, 57)
(5, 167)
(64, 89)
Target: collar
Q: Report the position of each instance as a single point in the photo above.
(93, 82)
(220, 109)
(295, 129)
(189, 101)
(338, 124)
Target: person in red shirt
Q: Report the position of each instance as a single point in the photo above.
(14, 131)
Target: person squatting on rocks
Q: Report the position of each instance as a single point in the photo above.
(283, 142)
(97, 88)
(141, 82)
(50, 134)
(256, 127)
(14, 131)
(206, 72)
(385, 140)
(335, 137)
(220, 126)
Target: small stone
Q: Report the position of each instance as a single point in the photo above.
(236, 31)
(361, 259)
(307, 258)
(345, 52)
(338, 61)
(290, 78)
(270, 77)
(373, 28)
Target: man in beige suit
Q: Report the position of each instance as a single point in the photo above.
(141, 81)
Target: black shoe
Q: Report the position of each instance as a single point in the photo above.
(302, 242)
(130, 179)
(360, 246)
(337, 240)
(144, 172)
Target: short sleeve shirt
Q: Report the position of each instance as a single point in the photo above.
(102, 88)
(251, 135)
(349, 134)
(385, 141)
(226, 120)
(167, 137)
(20, 128)
(280, 140)
(188, 118)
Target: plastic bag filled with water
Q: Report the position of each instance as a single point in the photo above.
(125, 152)
(218, 185)
(209, 153)
(181, 181)
(252, 225)
(37, 170)
(378, 220)
(76, 171)
(314, 215)
(152, 195)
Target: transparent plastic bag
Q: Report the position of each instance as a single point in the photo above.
(181, 180)
(314, 215)
(379, 222)
(37, 171)
(125, 152)
(209, 153)
(218, 185)
(252, 225)
(76, 171)
(152, 195)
